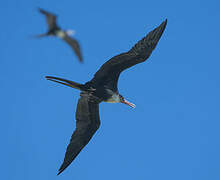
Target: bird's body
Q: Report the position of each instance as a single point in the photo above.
(103, 87)
(55, 30)
(59, 33)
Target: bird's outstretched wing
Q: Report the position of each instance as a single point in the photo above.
(51, 19)
(74, 45)
(110, 71)
(87, 123)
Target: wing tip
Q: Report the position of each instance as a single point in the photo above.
(164, 22)
(41, 10)
(45, 12)
(81, 60)
(62, 168)
(59, 173)
(159, 30)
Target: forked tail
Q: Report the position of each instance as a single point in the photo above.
(38, 36)
(66, 82)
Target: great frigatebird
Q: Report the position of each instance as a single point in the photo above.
(103, 87)
(55, 30)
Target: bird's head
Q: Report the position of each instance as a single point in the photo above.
(115, 97)
(118, 98)
(70, 32)
(124, 101)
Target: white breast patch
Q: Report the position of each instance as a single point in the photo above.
(61, 34)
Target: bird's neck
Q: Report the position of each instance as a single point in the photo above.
(113, 97)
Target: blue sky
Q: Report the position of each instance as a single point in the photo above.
(173, 133)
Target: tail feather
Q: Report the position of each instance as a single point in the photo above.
(39, 35)
(66, 82)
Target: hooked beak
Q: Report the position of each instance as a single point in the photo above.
(128, 103)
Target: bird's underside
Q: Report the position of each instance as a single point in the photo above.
(105, 79)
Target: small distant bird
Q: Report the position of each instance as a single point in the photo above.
(55, 30)
(103, 87)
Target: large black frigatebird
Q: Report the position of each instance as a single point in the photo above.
(103, 87)
(55, 30)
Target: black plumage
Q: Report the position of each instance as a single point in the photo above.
(103, 87)
(55, 30)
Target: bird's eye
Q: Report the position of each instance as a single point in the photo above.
(121, 97)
